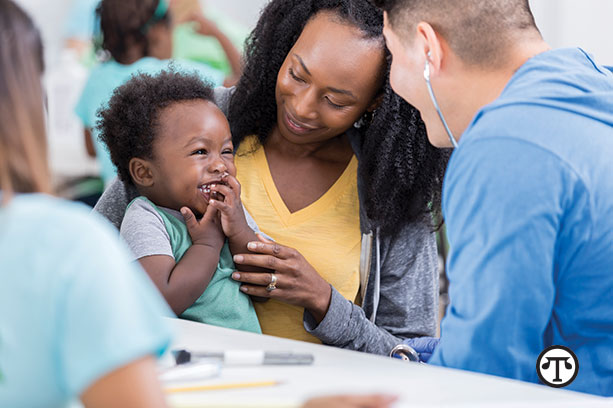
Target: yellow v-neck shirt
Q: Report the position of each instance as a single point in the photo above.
(326, 233)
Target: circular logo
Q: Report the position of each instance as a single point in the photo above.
(557, 366)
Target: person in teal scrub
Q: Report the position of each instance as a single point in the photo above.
(79, 321)
(137, 36)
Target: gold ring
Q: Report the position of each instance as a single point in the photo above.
(273, 283)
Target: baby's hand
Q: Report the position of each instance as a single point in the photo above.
(207, 231)
(230, 207)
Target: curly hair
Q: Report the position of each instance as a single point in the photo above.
(123, 24)
(402, 171)
(129, 125)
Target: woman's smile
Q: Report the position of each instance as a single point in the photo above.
(318, 98)
(296, 126)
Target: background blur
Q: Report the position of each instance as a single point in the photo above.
(564, 23)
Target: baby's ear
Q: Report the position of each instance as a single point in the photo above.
(141, 172)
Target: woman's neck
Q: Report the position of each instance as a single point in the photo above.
(329, 148)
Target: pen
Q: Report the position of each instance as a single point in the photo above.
(225, 386)
(246, 357)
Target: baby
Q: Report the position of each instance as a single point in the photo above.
(168, 138)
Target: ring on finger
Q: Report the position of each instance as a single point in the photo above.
(273, 283)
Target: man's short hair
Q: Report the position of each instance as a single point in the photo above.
(480, 32)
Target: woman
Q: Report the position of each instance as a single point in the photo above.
(68, 292)
(338, 170)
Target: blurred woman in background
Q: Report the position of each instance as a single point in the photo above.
(68, 291)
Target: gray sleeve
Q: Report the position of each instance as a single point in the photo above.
(222, 97)
(112, 205)
(144, 232)
(408, 305)
(252, 224)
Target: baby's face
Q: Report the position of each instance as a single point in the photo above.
(193, 149)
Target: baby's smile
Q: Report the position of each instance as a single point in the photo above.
(205, 188)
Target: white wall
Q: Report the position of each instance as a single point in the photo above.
(244, 11)
(563, 23)
(572, 23)
(49, 16)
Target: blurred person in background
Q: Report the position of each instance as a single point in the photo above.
(68, 290)
(137, 36)
(218, 46)
(79, 28)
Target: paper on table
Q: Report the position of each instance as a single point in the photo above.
(199, 370)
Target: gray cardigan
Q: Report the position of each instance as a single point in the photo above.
(399, 272)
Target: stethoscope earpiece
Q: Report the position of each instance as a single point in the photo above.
(438, 110)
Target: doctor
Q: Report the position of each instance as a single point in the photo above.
(528, 196)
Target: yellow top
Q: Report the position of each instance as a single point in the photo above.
(326, 233)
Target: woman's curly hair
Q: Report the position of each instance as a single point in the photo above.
(401, 171)
(130, 123)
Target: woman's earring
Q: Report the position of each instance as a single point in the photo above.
(365, 119)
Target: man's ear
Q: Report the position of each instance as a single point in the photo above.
(141, 172)
(430, 43)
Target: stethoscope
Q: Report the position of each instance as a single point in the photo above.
(438, 110)
(403, 351)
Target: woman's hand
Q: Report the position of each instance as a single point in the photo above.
(227, 199)
(297, 282)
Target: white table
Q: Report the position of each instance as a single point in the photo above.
(341, 371)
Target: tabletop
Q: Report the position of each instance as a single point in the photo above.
(338, 371)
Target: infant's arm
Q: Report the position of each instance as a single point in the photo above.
(181, 283)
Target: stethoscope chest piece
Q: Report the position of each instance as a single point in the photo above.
(404, 352)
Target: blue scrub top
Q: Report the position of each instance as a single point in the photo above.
(528, 203)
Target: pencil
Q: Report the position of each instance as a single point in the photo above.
(225, 386)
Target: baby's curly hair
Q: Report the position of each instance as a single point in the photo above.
(402, 172)
(129, 124)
